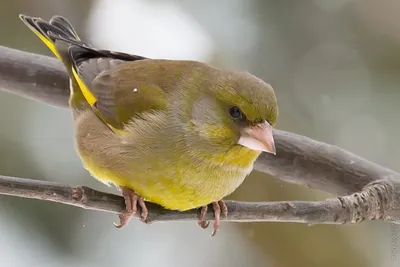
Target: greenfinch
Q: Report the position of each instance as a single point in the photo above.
(178, 133)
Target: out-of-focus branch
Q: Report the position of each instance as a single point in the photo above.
(33, 76)
(299, 159)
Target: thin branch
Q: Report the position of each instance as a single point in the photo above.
(299, 160)
(331, 211)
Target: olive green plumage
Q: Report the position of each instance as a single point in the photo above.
(179, 133)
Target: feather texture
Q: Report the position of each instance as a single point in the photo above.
(159, 127)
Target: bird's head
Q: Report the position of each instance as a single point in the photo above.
(233, 109)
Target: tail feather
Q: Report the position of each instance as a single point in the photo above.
(59, 35)
(46, 27)
(52, 31)
(30, 22)
(61, 38)
(63, 24)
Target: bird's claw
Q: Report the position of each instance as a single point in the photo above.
(201, 222)
(132, 200)
(218, 207)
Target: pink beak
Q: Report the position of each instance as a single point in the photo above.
(258, 137)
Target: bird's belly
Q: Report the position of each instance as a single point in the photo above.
(177, 186)
(188, 189)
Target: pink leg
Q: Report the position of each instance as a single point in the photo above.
(201, 222)
(218, 207)
(131, 202)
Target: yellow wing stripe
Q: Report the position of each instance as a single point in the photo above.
(90, 98)
(44, 39)
(87, 94)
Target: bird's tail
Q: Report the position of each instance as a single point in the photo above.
(58, 34)
(58, 27)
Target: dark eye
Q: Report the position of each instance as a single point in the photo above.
(235, 112)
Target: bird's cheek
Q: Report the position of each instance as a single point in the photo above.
(216, 132)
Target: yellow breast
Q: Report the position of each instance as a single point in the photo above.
(181, 186)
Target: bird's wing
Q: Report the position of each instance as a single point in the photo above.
(107, 81)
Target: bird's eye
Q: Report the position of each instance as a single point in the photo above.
(235, 112)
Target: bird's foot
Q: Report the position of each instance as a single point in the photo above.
(218, 207)
(132, 200)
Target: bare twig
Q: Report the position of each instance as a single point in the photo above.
(299, 160)
(331, 211)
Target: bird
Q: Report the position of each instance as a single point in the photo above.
(182, 134)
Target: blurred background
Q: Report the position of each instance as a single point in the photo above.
(334, 65)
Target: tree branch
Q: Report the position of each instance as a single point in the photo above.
(331, 211)
(299, 160)
(33, 76)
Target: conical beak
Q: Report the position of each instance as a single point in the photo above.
(258, 137)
